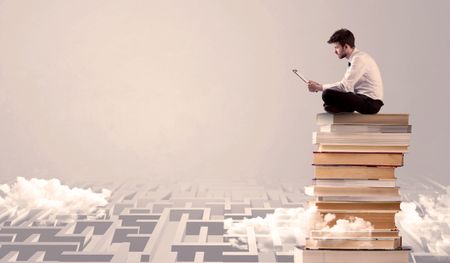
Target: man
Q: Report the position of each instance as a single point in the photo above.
(361, 89)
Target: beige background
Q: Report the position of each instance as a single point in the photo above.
(116, 89)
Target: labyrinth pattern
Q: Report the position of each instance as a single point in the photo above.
(165, 222)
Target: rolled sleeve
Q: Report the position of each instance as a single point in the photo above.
(335, 86)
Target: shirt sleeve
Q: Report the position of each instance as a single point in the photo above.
(352, 75)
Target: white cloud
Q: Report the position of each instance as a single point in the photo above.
(50, 195)
(289, 226)
(351, 225)
(427, 221)
(430, 227)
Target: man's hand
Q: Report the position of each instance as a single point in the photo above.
(314, 86)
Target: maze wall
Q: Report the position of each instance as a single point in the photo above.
(158, 222)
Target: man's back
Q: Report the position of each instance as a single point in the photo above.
(370, 82)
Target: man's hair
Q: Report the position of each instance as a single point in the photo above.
(343, 36)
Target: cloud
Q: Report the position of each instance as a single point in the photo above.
(289, 226)
(427, 221)
(286, 225)
(353, 224)
(51, 196)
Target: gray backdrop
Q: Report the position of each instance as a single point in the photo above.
(114, 89)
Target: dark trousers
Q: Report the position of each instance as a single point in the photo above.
(338, 101)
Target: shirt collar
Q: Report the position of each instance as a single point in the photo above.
(355, 51)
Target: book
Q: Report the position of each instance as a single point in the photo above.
(377, 224)
(357, 118)
(379, 219)
(354, 172)
(349, 206)
(354, 243)
(359, 128)
(351, 234)
(374, 128)
(315, 190)
(358, 198)
(303, 255)
(385, 139)
(323, 147)
(368, 159)
(355, 182)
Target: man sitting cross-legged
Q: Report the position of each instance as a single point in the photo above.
(361, 89)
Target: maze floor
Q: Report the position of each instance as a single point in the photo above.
(163, 221)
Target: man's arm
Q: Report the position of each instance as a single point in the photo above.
(352, 75)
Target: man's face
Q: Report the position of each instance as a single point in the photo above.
(339, 50)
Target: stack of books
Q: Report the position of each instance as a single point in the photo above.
(354, 177)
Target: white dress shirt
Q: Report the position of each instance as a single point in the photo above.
(361, 77)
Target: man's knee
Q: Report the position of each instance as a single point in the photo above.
(370, 110)
(371, 107)
(329, 95)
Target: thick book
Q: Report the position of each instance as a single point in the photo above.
(351, 234)
(323, 147)
(386, 139)
(350, 206)
(355, 182)
(400, 255)
(315, 190)
(381, 198)
(378, 219)
(356, 118)
(377, 224)
(354, 172)
(354, 243)
(368, 159)
(355, 128)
